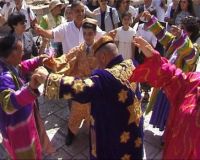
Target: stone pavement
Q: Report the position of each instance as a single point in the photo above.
(55, 114)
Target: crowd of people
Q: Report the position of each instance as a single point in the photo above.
(101, 55)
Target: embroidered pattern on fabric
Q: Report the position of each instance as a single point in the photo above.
(52, 88)
(122, 72)
(135, 112)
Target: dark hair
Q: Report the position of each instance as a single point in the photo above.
(126, 14)
(191, 24)
(7, 44)
(190, 8)
(15, 18)
(89, 26)
(76, 3)
(118, 3)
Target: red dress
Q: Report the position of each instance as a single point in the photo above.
(182, 138)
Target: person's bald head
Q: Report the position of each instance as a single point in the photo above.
(105, 54)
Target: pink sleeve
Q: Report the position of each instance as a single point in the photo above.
(30, 65)
(159, 73)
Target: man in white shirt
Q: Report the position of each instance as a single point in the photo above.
(106, 16)
(69, 33)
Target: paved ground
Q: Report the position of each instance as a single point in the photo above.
(55, 116)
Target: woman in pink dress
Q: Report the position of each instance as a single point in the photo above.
(21, 127)
(182, 134)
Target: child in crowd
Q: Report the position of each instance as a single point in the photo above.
(124, 37)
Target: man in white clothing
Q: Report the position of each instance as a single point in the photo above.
(69, 33)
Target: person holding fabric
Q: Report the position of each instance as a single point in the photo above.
(182, 134)
(181, 52)
(50, 21)
(79, 62)
(22, 129)
(116, 116)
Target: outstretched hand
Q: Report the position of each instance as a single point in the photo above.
(38, 30)
(142, 44)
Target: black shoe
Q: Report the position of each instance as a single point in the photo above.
(69, 138)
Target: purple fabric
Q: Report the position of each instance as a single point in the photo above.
(151, 22)
(21, 94)
(20, 99)
(17, 98)
(160, 111)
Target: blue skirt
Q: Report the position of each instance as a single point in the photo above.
(160, 111)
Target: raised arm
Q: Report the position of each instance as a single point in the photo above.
(158, 72)
(163, 36)
(175, 42)
(42, 32)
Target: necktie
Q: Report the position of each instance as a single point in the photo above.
(88, 50)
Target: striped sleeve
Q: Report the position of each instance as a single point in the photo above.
(163, 36)
(191, 58)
